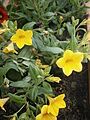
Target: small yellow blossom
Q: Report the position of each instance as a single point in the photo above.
(55, 104)
(44, 115)
(53, 79)
(2, 102)
(70, 61)
(9, 49)
(22, 38)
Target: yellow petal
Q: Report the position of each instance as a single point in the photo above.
(53, 109)
(28, 34)
(67, 54)
(44, 109)
(60, 62)
(59, 101)
(67, 69)
(55, 104)
(78, 57)
(77, 67)
(2, 102)
(44, 115)
(39, 117)
(14, 38)
(49, 117)
(20, 32)
(20, 44)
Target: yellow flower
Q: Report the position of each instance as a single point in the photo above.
(44, 115)
(55, 104)
(2, 102)
(53, 79)
(70, 61)
(22, 38)
(9, 48)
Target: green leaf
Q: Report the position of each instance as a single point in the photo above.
(47, 86)
(16, 98)
(21, 84)
(54, 50)
(49, 14)
(29, 26)
(46, 89)
(12, 26)
(10, 65)
(34, 93)
(35, 73)
(25, 52)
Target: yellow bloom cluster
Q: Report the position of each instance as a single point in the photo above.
(50, 112)
(70, 61)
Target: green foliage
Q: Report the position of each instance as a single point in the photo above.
(54, 31)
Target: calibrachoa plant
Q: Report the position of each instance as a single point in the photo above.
(27, 55)
(35, 86)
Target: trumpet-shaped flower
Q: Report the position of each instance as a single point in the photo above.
(44, 115)
(2, 102)
(55, 104)
(70, 61)
(9, 49)
(22, 38)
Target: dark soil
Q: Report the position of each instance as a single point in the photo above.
(76, 89)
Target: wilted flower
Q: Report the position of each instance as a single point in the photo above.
(53, 79)
(10, 49)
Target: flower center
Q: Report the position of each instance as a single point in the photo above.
(69, 61)
(22, 36)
